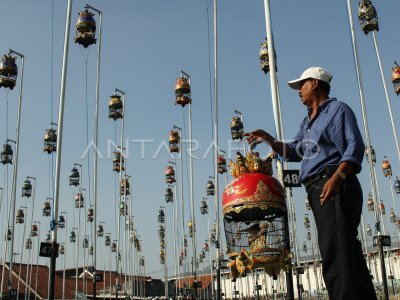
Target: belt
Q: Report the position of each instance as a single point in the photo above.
(328, 171)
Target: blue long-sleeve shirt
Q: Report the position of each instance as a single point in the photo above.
(330, 138)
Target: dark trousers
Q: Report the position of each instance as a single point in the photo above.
(344, 268)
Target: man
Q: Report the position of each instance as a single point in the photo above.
(331, 149)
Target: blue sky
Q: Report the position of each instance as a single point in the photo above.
(145, 45)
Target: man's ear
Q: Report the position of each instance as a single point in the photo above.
(314, 84)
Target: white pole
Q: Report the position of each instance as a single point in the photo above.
(386, 95)
(191, 188)
(216, 174)
(59, 148)
(122, 164)
(96, 142)
(15, 174)
(33, 208)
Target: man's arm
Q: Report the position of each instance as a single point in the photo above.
(346, 136)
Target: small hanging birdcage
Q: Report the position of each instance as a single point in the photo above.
(8, 71)
(74, 177)
(221, 164)
(85, 243)
(170, 174)
(100, 230)
(8, 235)
(27, 189)
(142, 261)
(161, 231)
(369, 230)
(204, 207)
(264, 57)
(237, 129)
(206, 247)
(61, 221)
(386, 167)
(34, 230)
(91, 250)
(118, 159)
(174, 139)
(48, 236)
(169, 194)
(210, 188)
(392, 216)
(114, 247)
(28, 244)
(6, 155)
(50, 141)
(61, 250)
(367, 16)
(125, 188)
(20, 216)
(371, 153)
(396, 78)
(132, 237)
(115, 107)
(107, 241)
(129, 223)
(90, 215)
(382, 207)
(304, 247)
(308, 206)
(397, 185)
(185, 241)
(123, 209)
(46, 209)
(370, 203)
(162, 257)
(182, 90)
(306, 222)
(191, 229)
(79, 199)
(72, 237)
(85, 29)
(308, 236)
(161, 216)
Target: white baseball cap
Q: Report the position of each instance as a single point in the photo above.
(313, 72)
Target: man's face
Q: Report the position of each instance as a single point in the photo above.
(306, 91)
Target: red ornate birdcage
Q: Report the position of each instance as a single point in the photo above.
(254, 207)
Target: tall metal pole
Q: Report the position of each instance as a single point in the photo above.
(96, 143)
(37, 259)
(59, 150)
(29, 258)
(191, 188)
(216, 174)
(122, 163)
(278, 126)
(15, 174)
(368, 141)
(378, 56)
(22, 251)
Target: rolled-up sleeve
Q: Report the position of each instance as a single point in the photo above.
(296, 152)
(347, 137)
